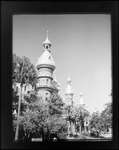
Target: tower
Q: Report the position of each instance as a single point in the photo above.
(69, 93)
(45, 66)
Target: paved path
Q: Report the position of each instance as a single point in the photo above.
(107, 135)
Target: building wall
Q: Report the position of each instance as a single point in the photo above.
(45, 94)
(68, 99)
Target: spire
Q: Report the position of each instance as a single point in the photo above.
(69, 89)
(46, 58)
(68, 80)
(81, 99)
(47, 34)
(81, 94)
(47, 44)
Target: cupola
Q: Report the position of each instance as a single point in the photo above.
(46, 59)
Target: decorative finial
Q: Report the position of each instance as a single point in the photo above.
(47, 42)
(95, 109)
(81, 94)
(69, 80)
(47, 33)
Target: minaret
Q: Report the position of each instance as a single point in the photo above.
(81, 102)
(45, 66)
(69, 93)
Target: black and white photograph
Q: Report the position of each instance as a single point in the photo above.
(62, 77)
(62, 81)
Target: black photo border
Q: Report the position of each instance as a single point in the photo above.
(8, 9)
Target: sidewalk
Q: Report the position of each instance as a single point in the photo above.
(36, 140)
(107, 135)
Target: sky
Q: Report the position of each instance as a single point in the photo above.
(81, 49)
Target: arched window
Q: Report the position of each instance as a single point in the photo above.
(46, 46)
(46, 98)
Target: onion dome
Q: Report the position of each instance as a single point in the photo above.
(69, 89)
(46, 59)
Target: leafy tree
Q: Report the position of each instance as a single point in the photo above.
(101, 122)
(107, 115)
(15, 100)
(97, 124)
(16, 61)
(23, 72)
(33, 114)
(56, 104)
(39, 115)
(79, 114)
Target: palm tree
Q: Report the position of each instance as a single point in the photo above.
(79, 114)
(24, 73)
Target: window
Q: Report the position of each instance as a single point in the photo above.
(46, 81)
(42, 81)
(50, 57)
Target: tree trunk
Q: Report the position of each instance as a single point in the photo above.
(19, 105)
(80, 130)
